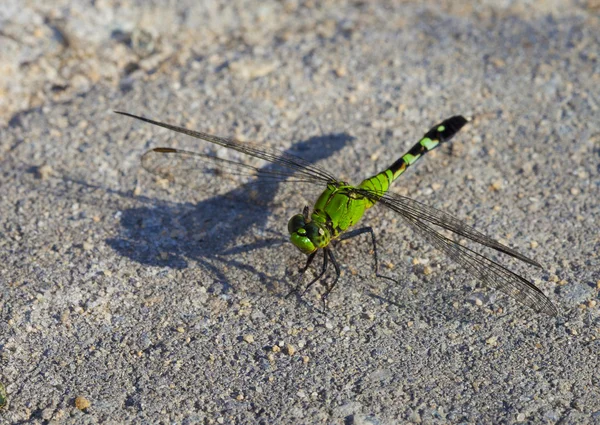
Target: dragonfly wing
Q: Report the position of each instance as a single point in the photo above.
(419, 216)
(186, 165)
(191, 168)
(413, 209)
(490, 272)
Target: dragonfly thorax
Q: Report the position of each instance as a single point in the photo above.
(306, 235)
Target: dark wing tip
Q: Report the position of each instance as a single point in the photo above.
(163, 150)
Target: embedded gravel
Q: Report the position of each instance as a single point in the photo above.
(129, 299)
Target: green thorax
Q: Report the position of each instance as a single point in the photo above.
(339, 207)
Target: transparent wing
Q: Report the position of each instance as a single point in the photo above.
(410, 208)
(191, 168)
(419, 216)
(188, 167)
(490, 272)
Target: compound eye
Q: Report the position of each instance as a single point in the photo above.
(312, 231)
(296, 222)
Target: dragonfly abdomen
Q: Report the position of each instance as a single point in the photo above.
(340, 207)
(438, 134)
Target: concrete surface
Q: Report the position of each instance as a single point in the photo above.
(126, 299)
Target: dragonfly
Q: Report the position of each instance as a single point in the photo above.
(341, 206)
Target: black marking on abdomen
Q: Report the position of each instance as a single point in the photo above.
(451, 127)
(397, 166)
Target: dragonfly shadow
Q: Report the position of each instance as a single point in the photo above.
(215, 231)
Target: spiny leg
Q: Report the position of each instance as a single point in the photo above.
(329, 253)
(309, 260)
(303, 270)
(368, 229)
(323, 270)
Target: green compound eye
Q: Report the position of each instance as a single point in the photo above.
(303, 243)
(296, 223)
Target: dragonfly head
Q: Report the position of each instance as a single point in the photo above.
(306, 235)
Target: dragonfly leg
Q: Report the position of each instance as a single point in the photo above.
(303, 270)
(323, 270)
(362, 230)
(329, 253)
(309, 260)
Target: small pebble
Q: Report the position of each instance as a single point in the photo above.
(82, 403)
(290, 349)
(533, 244)
(341, 71)
(276, 349)
(249, 338)
(496, 186)
(368, 315)
(493, 340)
(497, 62)
(43, 172)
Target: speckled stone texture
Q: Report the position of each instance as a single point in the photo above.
(127, 299)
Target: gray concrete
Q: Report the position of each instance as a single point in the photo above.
(156, 303)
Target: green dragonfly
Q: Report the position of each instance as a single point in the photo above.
(341, 206)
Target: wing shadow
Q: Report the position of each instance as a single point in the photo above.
(169, 235)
